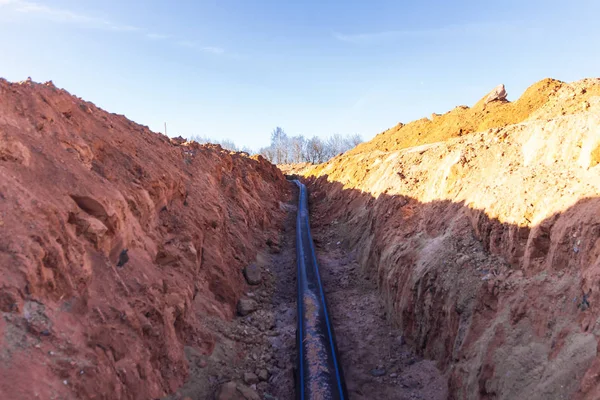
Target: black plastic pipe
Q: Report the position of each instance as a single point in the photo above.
(319, 374)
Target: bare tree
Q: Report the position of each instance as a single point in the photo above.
(353, 141)
(295, 149)
(227, 144)
(297, 146)
(268, 153)
(279, 141)
(335, 145)
(315, 150)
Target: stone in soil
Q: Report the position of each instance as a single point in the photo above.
(236, 391)
(250, 378)
(263, 375)
(246, 306)
(378, 372)
(252, 274)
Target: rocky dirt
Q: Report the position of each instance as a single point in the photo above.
(485, 246)
(118, 247)
(376, 360)
(254, 353)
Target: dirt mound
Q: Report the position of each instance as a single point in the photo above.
(485, 247)
(463, 120)
(115, 243)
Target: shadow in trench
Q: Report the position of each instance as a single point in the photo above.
(505, 311)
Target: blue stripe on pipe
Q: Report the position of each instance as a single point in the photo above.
(335, 362)
(299, 300)
(303, 217)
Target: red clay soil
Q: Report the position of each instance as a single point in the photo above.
(115, 244)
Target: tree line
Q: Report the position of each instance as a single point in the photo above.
(286, 149)
(227, 144)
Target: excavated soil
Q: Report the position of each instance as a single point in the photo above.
(463, 120)
(545, 99)
(120, 249)
(376, 360)
(257, 351)
(460, 255)
(485, 246)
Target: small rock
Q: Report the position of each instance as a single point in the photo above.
(250, 378)
(252, 274)
(263, 375)
(123, 258)
(228, 391)
(246, 306)
(393, 375)
(378, 372)
(178, 141)
(275, 250)
(236, 391)
(463, 260)
(248, 393)
(267, 396)
(499, 93)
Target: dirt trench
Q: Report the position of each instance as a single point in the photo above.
(255, 354)
(376, 361)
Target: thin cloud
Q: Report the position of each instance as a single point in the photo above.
(365, 38)
(66, 16)
(60, 15)
(157, 36)
(393, 35)
(213, 50)
(206, 49)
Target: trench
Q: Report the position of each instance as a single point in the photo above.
(376, 361)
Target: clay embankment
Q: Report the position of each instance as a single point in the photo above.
(486, 246)
(115, 243)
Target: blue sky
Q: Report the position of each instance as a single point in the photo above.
(236, 69)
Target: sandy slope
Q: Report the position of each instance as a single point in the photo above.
(485, 245)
